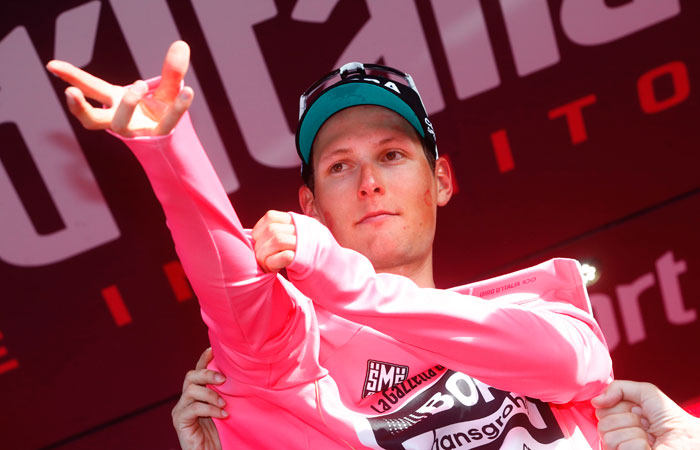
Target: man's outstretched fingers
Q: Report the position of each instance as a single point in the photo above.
(177, 60)
(90, 117)
(125, 110)
(90, 85)
(174, 112)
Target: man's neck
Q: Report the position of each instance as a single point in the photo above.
(421, 273)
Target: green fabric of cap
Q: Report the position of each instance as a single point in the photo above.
(344, 96)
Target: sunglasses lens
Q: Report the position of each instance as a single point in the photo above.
(352, 69)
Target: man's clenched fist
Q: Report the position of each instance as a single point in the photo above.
(275, 241)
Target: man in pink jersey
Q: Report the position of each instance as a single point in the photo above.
(357, 349)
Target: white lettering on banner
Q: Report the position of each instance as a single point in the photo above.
(76, 30)
(592, 22)
(604, 313)
(394, 32)
(59, 159)
(136, 19)
(470, 57)
(228, 29)
(628, 297)
(668, 271)
(531, 34)
(315, 11)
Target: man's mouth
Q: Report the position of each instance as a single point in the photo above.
(375, 216)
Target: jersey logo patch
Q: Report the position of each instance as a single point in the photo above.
(447, 410)
(381, 376)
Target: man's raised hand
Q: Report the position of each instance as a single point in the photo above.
(275, 241)
(129, 111)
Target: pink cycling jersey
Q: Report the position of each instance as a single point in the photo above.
(339, 356)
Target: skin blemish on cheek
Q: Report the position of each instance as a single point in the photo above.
(329, 221)
(427, 198)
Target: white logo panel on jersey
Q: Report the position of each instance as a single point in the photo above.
(452, 410)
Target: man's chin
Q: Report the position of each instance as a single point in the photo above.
(384, 258)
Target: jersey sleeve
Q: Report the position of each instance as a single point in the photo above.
(259, 325)
(530, 343)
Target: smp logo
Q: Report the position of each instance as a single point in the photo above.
(381, 376)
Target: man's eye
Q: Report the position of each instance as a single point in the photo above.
(393, 155)
(335, 168)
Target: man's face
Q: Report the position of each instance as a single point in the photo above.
(374, 188)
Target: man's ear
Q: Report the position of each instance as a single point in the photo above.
(443, 175)
(307, 201)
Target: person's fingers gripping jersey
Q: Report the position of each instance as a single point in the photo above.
(197, 405)
(661, 423)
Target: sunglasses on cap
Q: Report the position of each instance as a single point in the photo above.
(356, 84)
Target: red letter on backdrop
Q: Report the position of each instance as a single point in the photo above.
(178, 281)
(645, 87)
(116, 305)
(8, 365)
(574, 118)
(501, 148)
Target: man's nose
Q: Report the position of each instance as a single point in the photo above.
(370, 182)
